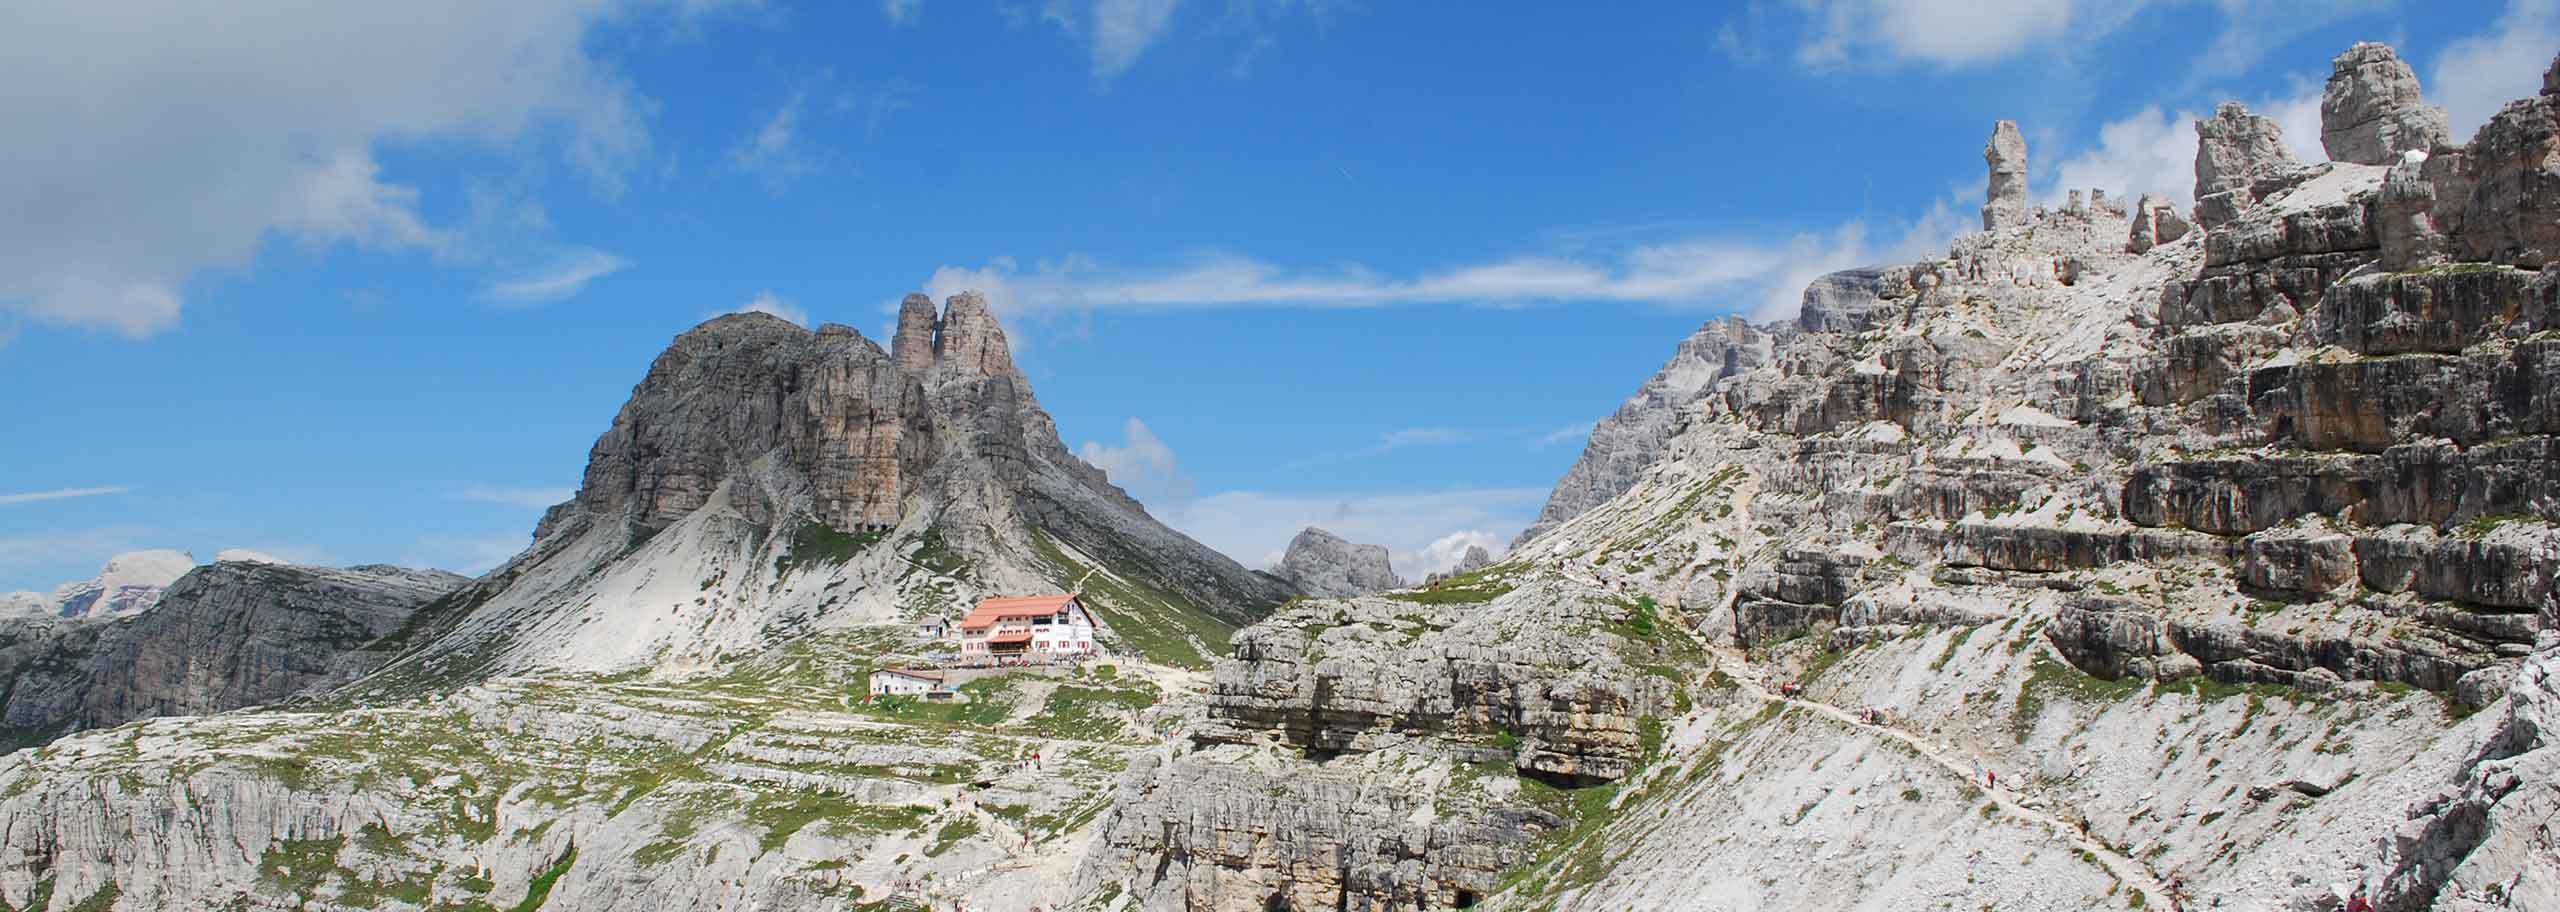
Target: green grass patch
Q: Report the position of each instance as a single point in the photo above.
(816, 544)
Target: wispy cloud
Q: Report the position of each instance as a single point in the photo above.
(902, 12)
(1254, 527)
(513, 497)
(1115, 32)
(1764, 278)
(467, 555)
(1425, 531)
(61, 494)
(775, 152)
(2476, 76)
(563, 279)
(1142, 465)
(766, 302)
(1567, 434)
(1401, 438)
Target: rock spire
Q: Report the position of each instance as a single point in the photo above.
(2005, 201)
(2371, 113)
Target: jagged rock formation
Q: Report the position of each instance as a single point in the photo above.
(762, 789)
(129, 582)
(2055, 499)
(2484, 842)
(1627, 441)
(2370, 111)
(2103, 571)
(2155, 222)
(766, 479)
(1476, 558)
(1395, 752)
(1320, 563)
(2235, 149)
(224, 636)
(2005, 201)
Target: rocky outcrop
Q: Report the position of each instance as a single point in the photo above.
(130, 582)
(1627, 441)
(2234, 149)
(226, 635)
(1320, 563)
(1410, 732)
(2005, 200)
(2371, 113)
(2484, 842)
(2155, 222)
(1476, 558)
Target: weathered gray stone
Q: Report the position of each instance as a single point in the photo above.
(2233, 149)
(2005, 198)
(1320, 563)
(2371, 112)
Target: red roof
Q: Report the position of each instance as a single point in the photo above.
(993, 610)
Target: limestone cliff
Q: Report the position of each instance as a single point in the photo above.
(1627, 441)
(224, 636)
(1321, 563)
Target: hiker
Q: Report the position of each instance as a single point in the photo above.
(2358, 903)
(1991, 778)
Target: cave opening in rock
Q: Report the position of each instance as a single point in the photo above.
(1278, 902)
(1466, 899)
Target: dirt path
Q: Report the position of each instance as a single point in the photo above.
(2125, 868)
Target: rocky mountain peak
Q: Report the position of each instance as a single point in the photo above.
(1630, 439)
(1320, 563)
(754, 446)
(2370, 111)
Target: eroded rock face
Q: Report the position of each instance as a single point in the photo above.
(2005, 201)
(1339, 722)
(226, 635)
(2234, 149)
(1320, 563)
(2371, 113)
(2155, 222)
(1627, 441)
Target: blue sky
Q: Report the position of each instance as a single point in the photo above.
(355, 285)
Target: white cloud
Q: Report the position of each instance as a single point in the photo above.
(1116, 31)
(766, 302)
(247, 555)
(563, 279)
(2154, 151)
(1762, 277)
(2476, 76)
(1142, 465)
(60, 494)
(774, 152)
(178, 136)
(902, 12)
(1446, 551)
(1254, 527)
(1571, 433)
(1943, 32)
(514, 497)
